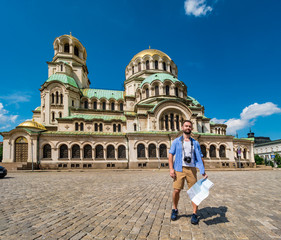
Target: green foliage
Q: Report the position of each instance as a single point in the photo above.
(259, 160)
(277, 159)
(1, 152)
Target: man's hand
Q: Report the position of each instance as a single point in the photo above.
(172, 173)
(205, 175)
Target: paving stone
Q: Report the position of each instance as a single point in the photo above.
(103, 204)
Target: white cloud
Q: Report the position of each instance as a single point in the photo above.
(5, 118)
(196, 7)
(16, 97)
(248, 116)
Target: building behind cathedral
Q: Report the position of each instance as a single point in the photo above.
(80, 127)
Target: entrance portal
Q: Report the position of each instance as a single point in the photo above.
(21, 149)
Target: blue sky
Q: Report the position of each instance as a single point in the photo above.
(228, 53)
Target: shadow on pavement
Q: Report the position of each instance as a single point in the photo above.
(217, 215)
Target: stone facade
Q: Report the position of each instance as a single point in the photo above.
(80, 127)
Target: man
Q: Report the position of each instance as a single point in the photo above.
(188, 158)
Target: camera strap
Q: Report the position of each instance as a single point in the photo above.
(190, 139)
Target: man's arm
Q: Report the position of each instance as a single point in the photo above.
(172, 171)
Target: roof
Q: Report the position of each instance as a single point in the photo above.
(101, 93)
(150, 52)
(82, 133)
(160, 76)
(92, 117)
(278, 141)
(194, 101)
(32, 124)
(63, 78)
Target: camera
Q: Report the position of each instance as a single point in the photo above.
(187, 159)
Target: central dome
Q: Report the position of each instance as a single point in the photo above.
(150, 52)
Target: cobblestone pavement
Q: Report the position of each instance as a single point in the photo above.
(137, 205)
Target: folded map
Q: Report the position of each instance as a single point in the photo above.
(200, 190)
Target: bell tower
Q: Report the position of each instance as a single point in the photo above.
(70, 59)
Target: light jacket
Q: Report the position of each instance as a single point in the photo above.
(176, 149)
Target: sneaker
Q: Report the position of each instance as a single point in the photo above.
(174, 215)
(194, 219)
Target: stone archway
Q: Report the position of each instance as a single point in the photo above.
(21, 149)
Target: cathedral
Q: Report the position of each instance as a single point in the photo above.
(81, 127)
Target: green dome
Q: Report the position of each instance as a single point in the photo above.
(160, 76)
(63, 79)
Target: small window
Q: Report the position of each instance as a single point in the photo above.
(96, 127)
(57, 97)
(61, 99)
(61, 67)
(76, 127)
(103, 106)
(176, 91)
(82, 127)
(156, 90)
(171, 70)
(121, 106)
(119, 127)
(156, 64)
(164, 66)
(147, 64)
(133, 70)
(139, 66)
(147, 93)
(76, 51)
(112, 106)
(72, 103)
(60, 114)
(114, 127)
(53, 98)
(135, 127)
(95, 105)
(53, 116)
(100, 127)
(167, 90)
(66, 48)
(86, 105)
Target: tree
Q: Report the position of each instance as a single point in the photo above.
(1, 152)
(277, 159)
(259, 160)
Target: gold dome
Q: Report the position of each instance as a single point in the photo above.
(32, 124)
(150, 52)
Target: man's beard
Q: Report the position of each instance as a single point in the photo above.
(187, 132)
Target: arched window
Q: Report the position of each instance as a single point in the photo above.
(103, 105)
(176, 91)
(121, 106)
(99, 151)
(219, 131)
(53, 98)
(141, 151)
(152, 151)
(212, 151)
(166, 122)
(75, 151)
(203, 150)
(110, 151)
(171, 70)
(66, 48)
(112, 106)
(156, 64)
(61, 99)
(61, 67)
(172, 123)
(47, 151)
(96, 127)
(167, 90)
(81, 126)
(114, 127)
(121, 152)
(95, 105)
(53, 116)
(135, 127)
(164, 66)
(57, 97)
(76, 127)
(87, 151)
(119, 127)
(60, 114)
(163, 151)
(63, 151)
(76, 51)
(177, 122)
(147, 64)
(139, 66)
(147, 93)
(222, 151)
(245, 153)
(100, 127)
(86, 105)
(156, 90)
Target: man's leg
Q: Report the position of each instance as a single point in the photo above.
(176, 198)
(195, 208)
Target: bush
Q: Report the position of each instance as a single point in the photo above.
(277, 159)
(259, 160)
